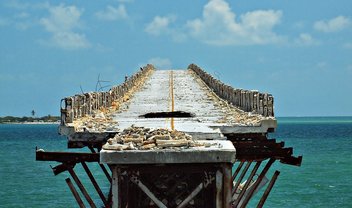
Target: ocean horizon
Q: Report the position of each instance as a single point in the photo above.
(323, 180)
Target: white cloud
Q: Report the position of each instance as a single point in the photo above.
(306, 39)
(347, 45)
(62, 18)
(218, 26)
(62, 23)
(333, 25)
(160, 63)
(70, 40)
(161, 26)
(111, 13)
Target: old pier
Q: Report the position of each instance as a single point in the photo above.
(172, 138)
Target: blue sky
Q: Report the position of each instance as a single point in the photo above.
(300, 51)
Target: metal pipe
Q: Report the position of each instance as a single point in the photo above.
(75, 193)
(268, 189)
(94, 182)
(258, 181)
(81, 187)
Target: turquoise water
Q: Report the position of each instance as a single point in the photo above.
(323, 180)
(29, 183)
(325, 177)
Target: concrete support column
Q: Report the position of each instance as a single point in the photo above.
(227, 172)
(115, 187)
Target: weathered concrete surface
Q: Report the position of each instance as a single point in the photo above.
(221, 151)
(211, 114)
(170, 91)
(156, 97)
(246, 100)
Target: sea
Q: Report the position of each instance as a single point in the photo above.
(323, 180)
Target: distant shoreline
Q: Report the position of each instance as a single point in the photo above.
(30, 120)
(32, 123)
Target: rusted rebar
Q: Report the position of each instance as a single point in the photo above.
(237, 170)
(241, 177)
(257, 182)
(101, 165)
(268, 189)
(81, 187)
(244, 189)
(94, 182)
(75, 193)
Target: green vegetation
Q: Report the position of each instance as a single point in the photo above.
(13, 119)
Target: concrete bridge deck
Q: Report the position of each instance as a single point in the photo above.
(156, 127)
(174, 99)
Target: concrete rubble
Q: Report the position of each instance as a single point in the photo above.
(98, 121)
(140, 138)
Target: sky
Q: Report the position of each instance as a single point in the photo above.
(299, 51)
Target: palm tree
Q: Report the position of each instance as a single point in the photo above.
(33, 113)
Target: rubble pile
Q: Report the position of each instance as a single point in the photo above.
(233, 115)
(140, 138)
(96, 122)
